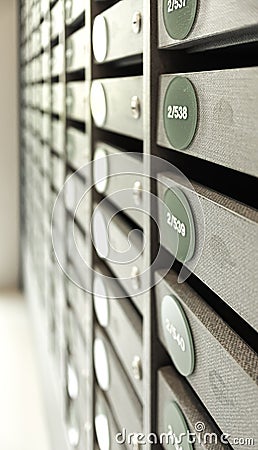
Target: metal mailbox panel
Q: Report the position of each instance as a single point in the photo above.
(116, 105)
(227, 115)
(172, 389)
(111, 243)
(227, 263)
(76, 98)
(117, 32)
(224, 373)
(58, 93)
(119, 176)
(216, 23)
(76, 50)
(77, 147)
(117, 315)
(122, 398)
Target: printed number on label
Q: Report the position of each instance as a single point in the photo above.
(177, 112)
(175, 223)
(173, 5)
(175, 335)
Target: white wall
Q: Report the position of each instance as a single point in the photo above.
(9, 188)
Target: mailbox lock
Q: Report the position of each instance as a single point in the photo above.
(135, 275)
(137, 192)
(137, 368)
(135, 107)
(137, 22)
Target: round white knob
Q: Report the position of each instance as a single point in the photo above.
(72, 383)
(102, 431)
(100, 170)
(100, 38)
(100, 235)
(100, 301)
(101, 364)
(98, 103)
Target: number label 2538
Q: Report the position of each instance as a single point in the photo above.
(177, 112)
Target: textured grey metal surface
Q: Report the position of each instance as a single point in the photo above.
(119, 92)
(172, 387)
(122, 316)
(121, 396)
(228, 260)
(226, 369)
(217, 22)
(227, 124)
(122, 41)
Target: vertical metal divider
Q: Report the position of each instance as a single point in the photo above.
(147, 125)
(152, 67)
(55, 262)
(20, 82)
(89, 331)
(62, 79)
(49, 50)
(97, 8)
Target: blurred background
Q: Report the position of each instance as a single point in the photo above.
(23, 424)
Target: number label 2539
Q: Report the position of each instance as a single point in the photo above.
(175, 223)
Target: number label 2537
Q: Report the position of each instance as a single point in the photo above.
(174, 5)
(177, 112)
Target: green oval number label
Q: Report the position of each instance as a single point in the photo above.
(179, 17)
(178, 335)
(180, 113)
(179, 225)
(176, 427)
